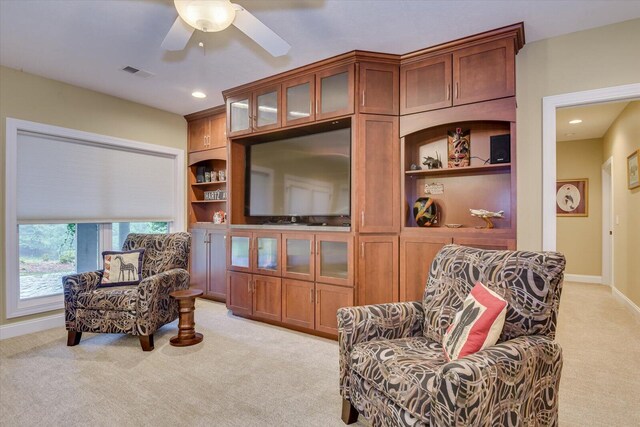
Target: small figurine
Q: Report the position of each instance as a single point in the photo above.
(433, 162)
(486, 215)
(415, 167)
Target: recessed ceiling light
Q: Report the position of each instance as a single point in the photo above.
(198, 94)
(575, 122)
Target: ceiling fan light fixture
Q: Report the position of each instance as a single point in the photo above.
(206, 15)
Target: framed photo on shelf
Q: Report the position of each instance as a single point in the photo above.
(572, 197)
(633, 174)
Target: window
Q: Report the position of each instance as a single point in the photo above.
(71, 195)
(50, 251)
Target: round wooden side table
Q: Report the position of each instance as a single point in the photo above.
(187, 334)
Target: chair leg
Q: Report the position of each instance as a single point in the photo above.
(146, 341)
(73, 338)
(349, 412)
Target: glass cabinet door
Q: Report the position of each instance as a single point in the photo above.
(267, 109)
(239, 252)
(298, 100)
(334, 260)
(239, 115)
(335, 92)
(268, 254)
(298, 259)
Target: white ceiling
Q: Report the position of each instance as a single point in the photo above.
(86, 43)
(596, 120)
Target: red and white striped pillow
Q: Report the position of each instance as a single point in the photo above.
(477, 325)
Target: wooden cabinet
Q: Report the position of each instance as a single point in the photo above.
(326, 257)
(426, 84)
(334, 259)
(240, 252)
(267, 297)
(315, 279)
(329, 298)
(239, 115)
(378, 269)
(298, 256)
(416, 255)
(298, 100)
(266, 109)
(199, 259)
(486, 243)
(480, 72)
(239, 295)
(335, 92)
(254, 295)
(379, 87)
(483, 72)
(298, 303)
(208, 262)
(217, 288)
(207, 133)
(257, 252)
(378, 174)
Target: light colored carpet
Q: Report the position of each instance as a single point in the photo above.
(251, 374)
(600, 339)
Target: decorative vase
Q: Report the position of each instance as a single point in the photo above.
(425, 212)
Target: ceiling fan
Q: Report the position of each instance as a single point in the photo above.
(216, 15)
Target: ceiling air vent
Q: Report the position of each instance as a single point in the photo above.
(137, 72)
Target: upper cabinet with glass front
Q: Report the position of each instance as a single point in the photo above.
(266, 109)
(335, 92)
(293, 100)
(239, 115)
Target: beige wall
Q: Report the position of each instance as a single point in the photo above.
(591, 59)
(28, 97)
(623, 138)
(579, 238)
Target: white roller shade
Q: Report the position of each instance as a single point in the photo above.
(67, 180)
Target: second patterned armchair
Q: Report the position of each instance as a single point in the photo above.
(393, 369)
(138, 309)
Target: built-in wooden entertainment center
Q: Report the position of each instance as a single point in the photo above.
(400, 109)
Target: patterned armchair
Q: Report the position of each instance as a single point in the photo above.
(393, 370)
(136, 310)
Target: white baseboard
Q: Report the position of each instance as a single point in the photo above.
(29, 326)
(626, 301)
(582, 278)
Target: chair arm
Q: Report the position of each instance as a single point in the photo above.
(511, 383)
(154, 306)
(74, 284)
(370, 322)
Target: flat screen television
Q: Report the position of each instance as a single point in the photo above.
(307, 175)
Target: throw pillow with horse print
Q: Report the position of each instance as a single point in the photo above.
(122, 268)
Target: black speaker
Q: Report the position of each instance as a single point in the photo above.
(500, 149)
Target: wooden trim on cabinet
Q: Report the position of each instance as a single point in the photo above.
(219, 109)
(516, 31)
(496, 110)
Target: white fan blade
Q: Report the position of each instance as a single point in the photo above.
(260, 33)
(178, 35)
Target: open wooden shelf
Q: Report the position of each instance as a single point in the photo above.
(502, 167)
(209, 183)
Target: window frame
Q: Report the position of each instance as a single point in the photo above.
(16, 307)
